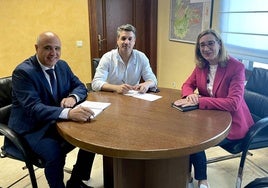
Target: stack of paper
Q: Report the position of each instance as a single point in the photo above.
(96, 107)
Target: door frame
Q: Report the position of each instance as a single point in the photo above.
(147, 26)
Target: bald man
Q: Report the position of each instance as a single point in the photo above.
(44, 91)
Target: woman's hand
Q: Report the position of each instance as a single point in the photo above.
(193, 98)
(190, 100)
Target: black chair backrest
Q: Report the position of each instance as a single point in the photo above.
(256, 93)
(5, 99)
(94, 65)
(5, 91)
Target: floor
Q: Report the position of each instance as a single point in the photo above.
(220, 175)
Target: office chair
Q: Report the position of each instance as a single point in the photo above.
(16, 148)
(258, 183)
(94, 65)
(256, 97)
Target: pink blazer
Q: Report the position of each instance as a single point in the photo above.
(228, 94)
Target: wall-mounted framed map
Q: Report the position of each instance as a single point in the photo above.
(188, 18)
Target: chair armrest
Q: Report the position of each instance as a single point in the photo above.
(18, 142)
(258, 182)
(255, 138)
(259, 129)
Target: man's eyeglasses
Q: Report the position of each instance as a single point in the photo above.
(209, 44)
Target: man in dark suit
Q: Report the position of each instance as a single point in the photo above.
(39, 99)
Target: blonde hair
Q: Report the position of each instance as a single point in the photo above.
(223, 55)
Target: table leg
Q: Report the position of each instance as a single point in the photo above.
(108, 180)
(158, 173)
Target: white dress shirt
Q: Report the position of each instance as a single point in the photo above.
(113, 70)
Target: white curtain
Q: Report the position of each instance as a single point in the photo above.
(244, 28)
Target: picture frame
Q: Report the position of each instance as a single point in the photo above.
(188, 18)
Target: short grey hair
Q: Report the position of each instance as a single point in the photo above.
(126, 27)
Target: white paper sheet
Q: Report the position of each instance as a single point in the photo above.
(96, 107)
(144, 96)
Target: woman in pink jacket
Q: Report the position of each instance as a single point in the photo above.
(216, 83)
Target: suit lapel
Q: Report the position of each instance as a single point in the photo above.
(218, 78)
(41, 74)
(42, 77)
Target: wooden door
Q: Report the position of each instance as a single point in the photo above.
(106, 15)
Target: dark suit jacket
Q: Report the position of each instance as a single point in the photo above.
(33, 104)
(228, 94)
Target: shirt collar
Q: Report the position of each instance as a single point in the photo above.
(44, 68)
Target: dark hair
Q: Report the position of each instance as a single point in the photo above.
(223, 55)
(126, 27)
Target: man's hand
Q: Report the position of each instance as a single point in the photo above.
(123, 89)
(68, 102)
(81, 114)
(143, 87)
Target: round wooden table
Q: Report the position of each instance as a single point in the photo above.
(149, 143)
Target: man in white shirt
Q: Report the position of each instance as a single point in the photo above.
(121, 69)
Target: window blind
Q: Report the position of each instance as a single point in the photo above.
(244, 28)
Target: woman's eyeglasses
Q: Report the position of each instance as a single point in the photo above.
(209, 44)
